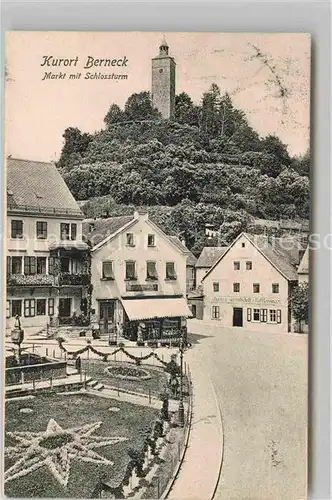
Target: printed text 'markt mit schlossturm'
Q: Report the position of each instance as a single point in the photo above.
(89, 63)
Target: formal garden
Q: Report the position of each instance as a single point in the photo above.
(61, 445)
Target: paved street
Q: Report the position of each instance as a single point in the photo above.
(260, 381)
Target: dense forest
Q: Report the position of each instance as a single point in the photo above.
(207, 165)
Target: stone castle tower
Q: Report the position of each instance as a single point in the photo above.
(163, 82)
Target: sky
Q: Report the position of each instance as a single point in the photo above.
(267, 76)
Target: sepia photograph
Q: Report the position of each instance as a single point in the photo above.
(157, 240)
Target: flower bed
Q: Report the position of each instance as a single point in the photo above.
(83, 441)
(153, 385)
(128, 372)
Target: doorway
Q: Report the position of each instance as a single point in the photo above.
(65, 308)
(107, 317)
(193, 310)
(237, 316)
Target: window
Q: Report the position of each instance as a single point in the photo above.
(216, 287)
(256, 315)
(73, 231)
(236, 265)
(29, 308)
(249, 314)
(17, 229)
(243, 245)
(275, 287)
(16, 265)
(255, 287)
(16, 308)
(236, 287)
(151, 240)
(151, 271)
(41, 307)
(8, 309)
(130, 270)
(130, 239)
(65, 265)
(51, 307)
(64, 231)
(170, 271)
(215, 312)
(273, 316)
(41, 265)
(30, 265)
(107, 271)
(248, 265)
(41, 230)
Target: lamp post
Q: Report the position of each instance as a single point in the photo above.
(17, 336)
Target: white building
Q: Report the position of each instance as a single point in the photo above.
(303, 270)
(250, 285)
(138, 275)
(48, 263)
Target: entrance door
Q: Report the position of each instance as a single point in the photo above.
(237, 316)
(193, 310)
(65, 308)
(106, 317)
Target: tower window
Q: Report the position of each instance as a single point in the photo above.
(161, 70)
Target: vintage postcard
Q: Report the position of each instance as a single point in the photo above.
(157, 249)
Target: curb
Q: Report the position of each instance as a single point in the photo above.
(222, 440)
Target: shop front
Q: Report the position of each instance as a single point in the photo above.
(154, 318)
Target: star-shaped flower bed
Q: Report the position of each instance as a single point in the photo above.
(68, 444)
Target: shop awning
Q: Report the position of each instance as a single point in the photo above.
(137, 309)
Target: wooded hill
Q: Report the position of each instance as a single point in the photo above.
(207, 165)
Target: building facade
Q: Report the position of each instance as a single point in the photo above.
(250, 285)
(139, 278)
(163, 82)
(48, 264)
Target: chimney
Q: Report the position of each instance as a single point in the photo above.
(141, 214)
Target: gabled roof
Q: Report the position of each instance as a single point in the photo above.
(304, 264)
(102, 228)
(34, 185)
(276, 251)
(209, 255)
(191, 259)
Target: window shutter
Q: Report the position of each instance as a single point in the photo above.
(73, 231)
(264, 315)
(9, 266)
(8, 309)
(261, 315)
(51, 265)
(33, 264)
(278, 316)
(26, 265)
(249, 314)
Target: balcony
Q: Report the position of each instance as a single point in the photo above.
(31, 280)
(67, 279)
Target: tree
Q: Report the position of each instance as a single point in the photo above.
(185, 110)
(114, 115)
(274, 146)
(300, 304)
(139, 107)
(75, 145)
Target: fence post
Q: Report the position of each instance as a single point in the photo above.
(162, 356)
(33, 384)
(22, 377)
(149, 396)
(53, 353)
(46, 351)
(51, 383)
(118, 390)
(33, 347)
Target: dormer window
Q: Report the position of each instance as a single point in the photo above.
(130, 240)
